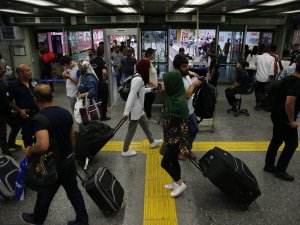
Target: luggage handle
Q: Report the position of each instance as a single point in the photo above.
(118, 126)
(194, 162)
(84, 170)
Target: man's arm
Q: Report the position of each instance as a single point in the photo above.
(104, 75)
(22, 112)
(42, 143)
(190, 91)
(290, 110)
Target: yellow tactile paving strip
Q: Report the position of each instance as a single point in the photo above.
(159, 207)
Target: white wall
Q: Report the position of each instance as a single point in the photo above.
(32, 54)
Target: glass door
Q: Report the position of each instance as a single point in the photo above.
(116, 42)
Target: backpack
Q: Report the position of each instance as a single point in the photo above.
(271, 96)
(124, 89)
(204, 101)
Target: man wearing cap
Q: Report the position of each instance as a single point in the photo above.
(71, 74)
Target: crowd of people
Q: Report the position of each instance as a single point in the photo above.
(89, 80)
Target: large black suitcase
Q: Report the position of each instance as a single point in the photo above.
(92, 137)
(8, 174)
(105, 190)
(231, 175)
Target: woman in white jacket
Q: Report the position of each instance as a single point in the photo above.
(134, 110)
(251, 69)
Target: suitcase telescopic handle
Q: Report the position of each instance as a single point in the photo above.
(122, 121)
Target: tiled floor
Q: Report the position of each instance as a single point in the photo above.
(146, 201)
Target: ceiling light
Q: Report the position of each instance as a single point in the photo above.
(197, 2)
(126, 10)
(241, 10)
(117, 2)
(37, 2)
(68, 10)
(277, 2)
(294, 11)
(184, 10)
(15, 11)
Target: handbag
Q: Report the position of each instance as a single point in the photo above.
(77, 106)
(41, 171)
(90, 112)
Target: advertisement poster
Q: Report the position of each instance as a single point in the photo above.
(296, 37)
(97, 37)
(252, 39)
(266, 38)
(79, 40)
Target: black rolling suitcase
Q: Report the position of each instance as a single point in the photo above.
(8, 174)
(92, 137)
(231, 175)
(105, 190)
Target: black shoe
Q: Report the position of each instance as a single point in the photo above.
(15, 146)
(284, 176)
(270, 169)
(28, 218)
(105, 118)
(73, 222)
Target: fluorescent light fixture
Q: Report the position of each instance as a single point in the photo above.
(294, 11)
(68, 10)
(37, 2)
(241, 10)
(277, 2)
(15, 11)
(117, 2)
(184, 10)
(197, 2)
(126, 10)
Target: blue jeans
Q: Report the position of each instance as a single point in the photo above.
(193, 130)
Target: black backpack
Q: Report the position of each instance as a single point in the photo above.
(271, 96)
(124, 89)
(204, 101)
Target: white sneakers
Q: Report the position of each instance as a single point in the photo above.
(177, 189)
(170, 186)
(156, 143)
(129, 153)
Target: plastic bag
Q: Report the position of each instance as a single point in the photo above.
(77, 106)
(20, 186)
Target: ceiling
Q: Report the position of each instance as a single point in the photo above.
(153, 8)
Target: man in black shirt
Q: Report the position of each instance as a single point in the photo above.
(21, 100)
(6, 117)
(62, 129)
(99, 66)
(285, 126)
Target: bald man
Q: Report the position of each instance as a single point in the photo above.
(21, 100)
(62, 131)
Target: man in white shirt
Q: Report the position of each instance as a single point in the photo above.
(264, 74)
(71, 74)
(190, 88)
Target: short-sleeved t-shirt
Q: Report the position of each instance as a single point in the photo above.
(61, 122)
(23, 95)
(291, 87)
(72, 89)
(128, 65)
